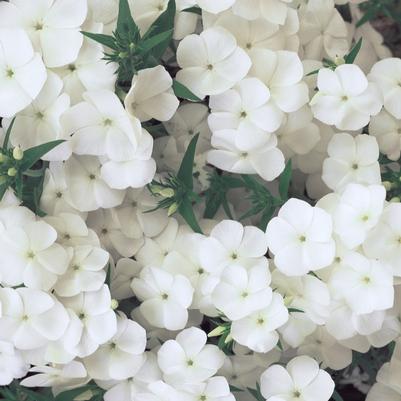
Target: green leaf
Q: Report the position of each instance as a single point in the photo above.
(295, 310)
(285, 179)
(337, 397)
(32, 155)
(314, 72)
(69, 395)
(125, 23)
(34, 395)
(105, 40)
(183, 92)
(351, 56)
(235, 389)
(185, 173)
(266, 217)
(193, 10)
(187, 212)
(155, 40)
(256, 394)
(164, 23)
(8, 133)
(368, 16)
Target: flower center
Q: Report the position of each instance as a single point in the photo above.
(9, 73)
(302, 238)
(164, 296)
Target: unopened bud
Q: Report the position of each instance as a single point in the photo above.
(396, 199)
(339, 60)
(388, 185)
(167, 192)
(228, 339)
(18, 153)
(172, 209)
(12, 172)
(114, 304)
(218, 331)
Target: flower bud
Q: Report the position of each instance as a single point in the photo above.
(388, 185)
(172, 209)
(218, 331)
(12, 172)
(18, 153)
(114, 304)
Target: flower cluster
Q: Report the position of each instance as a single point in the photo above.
(199, 200)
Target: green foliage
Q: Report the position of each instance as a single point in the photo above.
(222, 332)
(129, 50)
(256, 393)
(24, 171)
(262, 202)
(351, 56)
(183, 92)
(391, 178)
(176, 193)
(374, 8)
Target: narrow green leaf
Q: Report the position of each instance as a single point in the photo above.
(337, 397)
(105, 40)
(295, 310)
(256, 394)
(183, 92)
(350, 58)
(193, 10)
(285, 179)
(186, 211)
(187, 165)
(32, 155)
(266, 217)
(314, 72)
(368, 16)
(34, 395)
(125, 23)
(8, 133)
(235, 389)
(155, 40)
(164, 23)
(71, 394)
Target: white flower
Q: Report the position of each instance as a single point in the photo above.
(100, 126)
(387, 74)
(326, 349)
(345, 98)
(145, 12)
(243, 291)
(300, 238)
(122, 356)
(282, 72)
(214, 389)
(122, 275)
(384, 241)
(70, 375)
(151, 95)
(40, 122)
(232, 243)
(306, 293)
(88, 72)
(211, 6)
(165, 297)
(266, 160)
(88, 191)
(366, 284)
(387, 130)
(17, 67)
(351, 159)
(53, 27)
(119, 174)
(190, 119)
(85, 273)
(258, 330)
(357, 212)
(322, 30)
(245, 108)
(211, 62)
(274, 11)
(188, 359)
(298, 134)
(30, 318)
(94, 322)
(12, 364)
(301, 379)
(36, 259)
